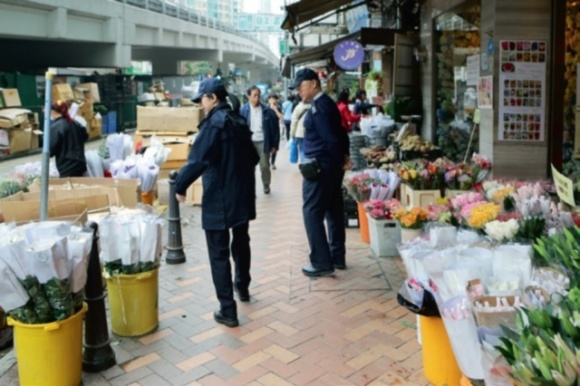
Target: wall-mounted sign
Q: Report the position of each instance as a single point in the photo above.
(522, 90)
(349, 54)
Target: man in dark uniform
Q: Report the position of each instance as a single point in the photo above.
(224, 154)
(326, 141)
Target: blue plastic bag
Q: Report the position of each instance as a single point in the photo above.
(293, 146)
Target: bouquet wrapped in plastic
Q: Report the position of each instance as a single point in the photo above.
(130, 241)
(49, 261)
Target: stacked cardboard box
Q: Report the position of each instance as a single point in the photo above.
(175, 128)
(84, 95)
(18, 131)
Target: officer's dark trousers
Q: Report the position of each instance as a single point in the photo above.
(218, 245)
(323, 201)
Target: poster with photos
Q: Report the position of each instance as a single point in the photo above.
(522, 90)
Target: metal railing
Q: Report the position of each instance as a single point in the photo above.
(173, 10)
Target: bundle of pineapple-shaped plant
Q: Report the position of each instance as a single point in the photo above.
(545, 347)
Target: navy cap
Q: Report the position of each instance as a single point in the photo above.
(304, 74)
(210, 86)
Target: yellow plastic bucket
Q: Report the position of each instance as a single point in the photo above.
(50, 354)
(439, 363)
(134, 300)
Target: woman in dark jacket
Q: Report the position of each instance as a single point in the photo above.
(67, 142)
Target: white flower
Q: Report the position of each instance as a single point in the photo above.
(502, 230)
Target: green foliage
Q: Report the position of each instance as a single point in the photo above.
(197, 68)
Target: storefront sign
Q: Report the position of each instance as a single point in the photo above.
(522, 90)
(564, 187)
(349, 54)
(472, 70)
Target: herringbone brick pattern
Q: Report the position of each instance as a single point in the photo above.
(342, 330)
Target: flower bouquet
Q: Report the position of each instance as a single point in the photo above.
(381, 210)
(43, 271)
(420, 174)
(358, 185)
(384, 233)
(481, 166)
(411, 218)
(476, 215)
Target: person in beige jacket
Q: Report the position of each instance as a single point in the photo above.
(297, 126)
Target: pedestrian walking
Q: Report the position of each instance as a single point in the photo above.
(274, 104)
(297, 127)
(224, 155)
(326, 148)
(67, 142)
(264, 125)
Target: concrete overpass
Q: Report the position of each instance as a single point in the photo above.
(109, 33)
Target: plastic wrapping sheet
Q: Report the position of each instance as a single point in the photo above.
(157, 152)
(149, 246)
(462, 331)
(411, 253)
(94, 164)
(13, 293)
(441, 235)
(468, 237)
(48, 258)
(116, 146)
(514, 258)
(43, 230)
(34, 169)
(147, 173)
(13, 252)
(457, 275)
(79, 246)
(480, 256)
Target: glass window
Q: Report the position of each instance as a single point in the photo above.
(457, 42)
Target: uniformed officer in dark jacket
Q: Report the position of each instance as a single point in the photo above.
(67, 142)
(224, 154)
(325, 141)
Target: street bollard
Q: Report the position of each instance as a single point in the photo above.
(175, 254)
(98, 354)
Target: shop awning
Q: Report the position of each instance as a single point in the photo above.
(306, 10)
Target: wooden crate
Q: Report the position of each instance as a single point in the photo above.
(411, 197)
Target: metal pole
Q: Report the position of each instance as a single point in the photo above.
(98, 354)
(45, 148)
(175, 254)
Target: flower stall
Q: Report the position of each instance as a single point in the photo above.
(501, 268)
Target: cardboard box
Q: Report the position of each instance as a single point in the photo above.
(95, 128)
(96, 199)
(121, 192)
(86, 111)
(62, 92)
(35, 138)
(89, 91)
(10, 97)
(179, 143)
(181, 119)
(4, 138)
(20, 139)
(193, 194)
(59, 210)
(13, 117)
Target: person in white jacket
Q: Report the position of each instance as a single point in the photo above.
(297, 126)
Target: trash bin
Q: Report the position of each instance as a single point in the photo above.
(133, 301)
(439, 363)
(51, 353)
(363, 223)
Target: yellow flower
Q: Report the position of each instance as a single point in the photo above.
(482, 214)
(404, 175)
(442, 201)
(413, 173)
(501, 194)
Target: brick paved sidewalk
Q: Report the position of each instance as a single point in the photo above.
(342, 330)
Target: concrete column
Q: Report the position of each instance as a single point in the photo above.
(57, 23)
